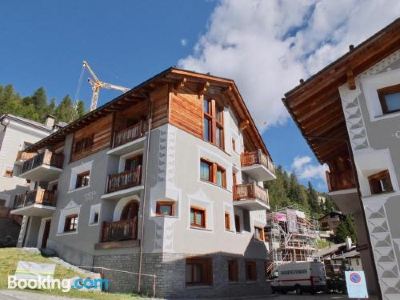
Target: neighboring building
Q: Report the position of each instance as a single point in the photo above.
(349, 114)
(291, 236)
(330, 221)
(164, 180)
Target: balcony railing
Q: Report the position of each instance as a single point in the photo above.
(45, 158)
(124, 180)
(22, 155)
(129, 134)
(119, 230)
(250, 191)
(39, 196)
(257, 157)
(340, 180)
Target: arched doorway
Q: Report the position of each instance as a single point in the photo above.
(130, 211)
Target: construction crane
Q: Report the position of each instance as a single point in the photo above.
(97, 84)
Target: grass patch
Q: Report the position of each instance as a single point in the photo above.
(9, 258)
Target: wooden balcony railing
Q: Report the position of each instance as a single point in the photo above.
(250, 191)
(257, 157)
(340, 180)
(124, 180)
(22, 155)
(45, 158)
(129, 134)
(38, 196)
(119, 230)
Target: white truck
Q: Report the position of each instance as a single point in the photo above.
(300, 277)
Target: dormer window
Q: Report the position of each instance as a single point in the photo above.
(390, 99)
(213, 123)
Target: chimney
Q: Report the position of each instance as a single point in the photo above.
(50, 121)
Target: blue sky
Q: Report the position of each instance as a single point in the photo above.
(265, 46)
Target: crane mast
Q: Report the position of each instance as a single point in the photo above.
(97, 84)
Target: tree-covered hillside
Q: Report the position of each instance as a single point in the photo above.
(36, 106)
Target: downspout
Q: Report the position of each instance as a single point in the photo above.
(144, 194)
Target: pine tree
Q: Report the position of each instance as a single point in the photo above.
(65, 110)
(80, 108)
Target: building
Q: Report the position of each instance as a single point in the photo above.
(349, 114)
(330, 221)
(291, 236)
(164, 180)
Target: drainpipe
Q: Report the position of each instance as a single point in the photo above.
(144, 195)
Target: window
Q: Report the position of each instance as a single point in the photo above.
(237, 223)
(233, 270)
(197, 217)
(390, 98)
(380, 183)
(96, 218)
(206, 170)
(82, 179)
(71, 223)
(83, 145)
(251, 271)
(213, 173)
(8, 173)
(259, 233)
(165, 208)
(198, 271)
(233, 145)
(227, 221)
(213, 123)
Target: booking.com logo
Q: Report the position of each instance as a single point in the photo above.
(48, 283)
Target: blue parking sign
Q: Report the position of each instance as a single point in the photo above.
(356, 284)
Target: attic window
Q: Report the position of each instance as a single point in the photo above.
(213, 123)
(390, 99)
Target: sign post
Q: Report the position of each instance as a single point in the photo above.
(356, 284)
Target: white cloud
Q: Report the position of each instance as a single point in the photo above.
(267, 46)
(183, 42)
(303, 167)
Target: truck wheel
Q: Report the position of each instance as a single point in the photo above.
(299, 290)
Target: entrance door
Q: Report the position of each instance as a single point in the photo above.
(46, 233)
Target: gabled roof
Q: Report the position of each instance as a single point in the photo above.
(315, 104)
(140, 92)
(28, 122)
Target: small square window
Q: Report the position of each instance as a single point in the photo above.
(71, 223)
(197, 217)
(205, 170)
(165, 208)
(390, 98)
(380, 183)
(82, 179)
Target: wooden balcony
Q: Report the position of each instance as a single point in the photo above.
(39, 202)
(119, 231)
(258, 165)
(45, 166)
(124, 184)
(250, 196)
(128, 139)
(340, 180)
(23, 156)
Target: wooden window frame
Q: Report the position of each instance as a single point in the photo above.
(213, 117)
(83, 144)
(379, 177)
(252, 275)
(233, 270)
(227, 217)
(387, 91)
(79, 178)
(205, 263)
(259, 236)
(69, 221)
(204, 218)
(165, 203)
(214, 168)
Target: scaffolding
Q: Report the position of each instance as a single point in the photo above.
(292, 237)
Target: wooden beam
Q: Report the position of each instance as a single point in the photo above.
(244, 124)
(351, 81)
(203, 89)
(180, 84)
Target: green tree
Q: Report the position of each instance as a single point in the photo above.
(80, 108)
(65, 111)
(345, 229)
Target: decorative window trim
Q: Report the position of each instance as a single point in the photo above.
(74, 174)
(71, 221)
(82, 179)
(387, 91)
(201, 210)
(70, 209)
(166, 203)
(376, 179)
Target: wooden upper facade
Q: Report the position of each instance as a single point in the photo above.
(173, 96)
(316, 107)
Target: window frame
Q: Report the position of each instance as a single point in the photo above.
(252, 275)
(233, 270)
(205, 264)
(214, 168)
(165, 203)
(377, 179)
(80, 178)
(83, 144)
(210, 169)
(383, 92)
(259, 234)
(215, 118)
(69, 224)
(195, 210)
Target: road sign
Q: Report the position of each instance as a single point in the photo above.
(356, 284)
